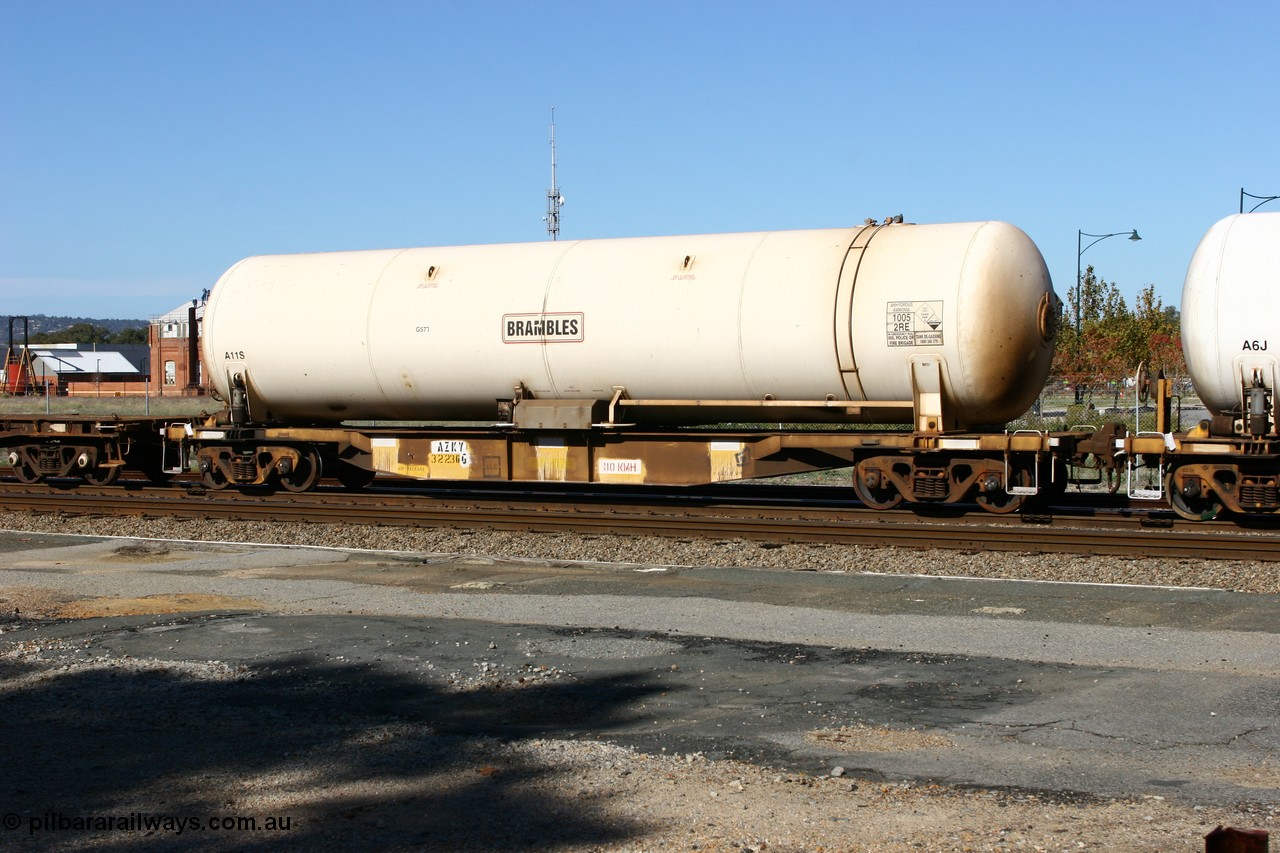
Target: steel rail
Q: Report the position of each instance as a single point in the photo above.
(976, 532)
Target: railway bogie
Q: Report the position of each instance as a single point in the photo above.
(1209, 477)
(1000, 477)
(296, 469)
(96, 451)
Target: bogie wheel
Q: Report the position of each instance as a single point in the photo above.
(304, 474)
(873, 488)
(101, 475)
(25, 472)
(1201, 507)
(1001, 501)
(352, 476)
(213, 478)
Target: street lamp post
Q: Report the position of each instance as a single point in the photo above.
(1262, 199)
(1081, 248)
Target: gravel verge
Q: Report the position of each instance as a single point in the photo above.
(1234, 575)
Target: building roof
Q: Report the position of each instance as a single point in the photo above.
(179, 314)
(67, 360)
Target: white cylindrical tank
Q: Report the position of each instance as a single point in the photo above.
(1231, 309)
(442, 333)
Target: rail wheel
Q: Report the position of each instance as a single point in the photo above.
(873, 488)
(304, 474)
(103, 475)
(999, 500)
(353, 476)
(1199, 507)
(213, 477)
(23, 470)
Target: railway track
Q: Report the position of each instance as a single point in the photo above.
(749, 513)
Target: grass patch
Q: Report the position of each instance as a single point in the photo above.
(102, 407)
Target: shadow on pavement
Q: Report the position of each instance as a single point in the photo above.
(355, 757)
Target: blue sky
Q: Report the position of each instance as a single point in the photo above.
(147, 146)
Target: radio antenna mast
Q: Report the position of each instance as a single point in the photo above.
(554, 199)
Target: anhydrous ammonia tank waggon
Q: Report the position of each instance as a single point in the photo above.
(845, 314)
(1231, 320)
(1231, 340)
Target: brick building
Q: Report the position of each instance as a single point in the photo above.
(175, 352)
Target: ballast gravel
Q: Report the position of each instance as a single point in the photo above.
(1234, 575)
(596, 796)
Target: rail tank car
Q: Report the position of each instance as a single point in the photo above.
(843, 314)
(1231, 319)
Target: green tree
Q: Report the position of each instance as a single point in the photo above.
(76, 333)
(135, 335)
(1160, 331)
(1092, 354)
(1112, 339)
(87, 333)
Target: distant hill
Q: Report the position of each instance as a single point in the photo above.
(42, 323)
